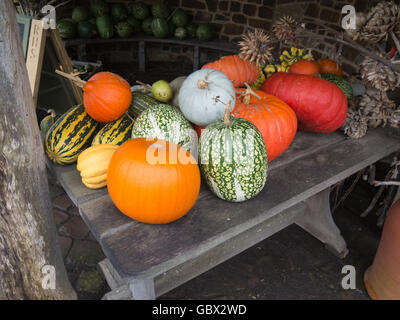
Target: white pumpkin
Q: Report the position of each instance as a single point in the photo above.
(204, 95)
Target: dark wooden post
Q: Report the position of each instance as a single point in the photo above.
(28, 240)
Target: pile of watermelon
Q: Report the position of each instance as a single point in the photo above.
(108, 20)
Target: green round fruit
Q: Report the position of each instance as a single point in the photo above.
(146, 26)
(160, 28)
(86, 29)
(135, 24)
(124, 29)
(99, 8)
(80, 14)
(160, 10)
(180, 18)
(67, 28)
(204, 32)
(140, 10)
(180, 33)
(162, 91)
(119, 11)
(105, 27)
(233, 158)
(191, 29)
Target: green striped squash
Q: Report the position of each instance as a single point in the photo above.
(70, 135)
(48, 121)
(166, 122)
(116, 132)
(233, 159)
(140, 102)
(344, 85)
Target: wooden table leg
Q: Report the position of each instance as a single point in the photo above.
(142, 289)
(317, 220)
(136, 289)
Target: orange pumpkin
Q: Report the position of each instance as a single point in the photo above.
(236, 69)
(330, 66)
(149, 183)
(276, 121)
(305, 67)
(106, 96)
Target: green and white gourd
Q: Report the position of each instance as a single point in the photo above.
(233, 159)
(167, 123)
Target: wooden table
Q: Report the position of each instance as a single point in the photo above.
(219, 45)
(145, 261)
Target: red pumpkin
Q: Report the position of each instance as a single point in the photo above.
(276, 121)
(305, 67)
(330, 66)
(320, 105)
(236, 69)
(150, 184)
(106, 96)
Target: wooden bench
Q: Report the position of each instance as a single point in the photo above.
(145, 261)
(142, 40)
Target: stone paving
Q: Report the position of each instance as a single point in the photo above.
(81, 252)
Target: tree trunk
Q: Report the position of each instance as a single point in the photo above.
(28, 239)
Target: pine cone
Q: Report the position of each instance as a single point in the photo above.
(394, 118)
(254, 47)
(379, 76)
(376, 106)
(356, 125)
(377, 24)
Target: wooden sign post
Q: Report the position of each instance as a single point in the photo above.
(34, 60)
(41, 41)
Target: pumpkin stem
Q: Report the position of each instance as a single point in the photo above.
(246, 95)
(146, 88)
(52, 113)
(73, 77)
(227, 113)
(202, 84)
(309, 54)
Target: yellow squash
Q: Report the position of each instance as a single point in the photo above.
(93, 165)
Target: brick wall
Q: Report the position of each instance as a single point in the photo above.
(233, 17)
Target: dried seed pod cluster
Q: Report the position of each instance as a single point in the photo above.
(254, 47)
(285, 28)
(380, 76)
(377, 24)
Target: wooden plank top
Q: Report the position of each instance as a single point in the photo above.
(312, 164)
(71, 182)
(212, 44)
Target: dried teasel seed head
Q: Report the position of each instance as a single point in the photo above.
(254, 47)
